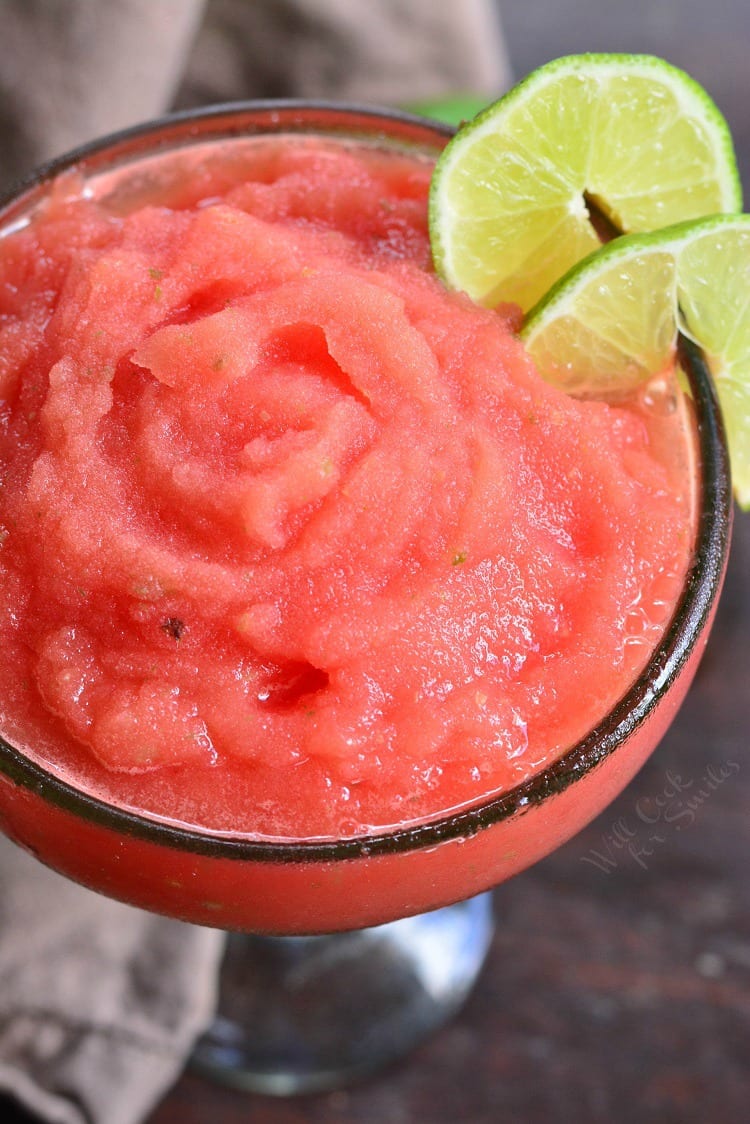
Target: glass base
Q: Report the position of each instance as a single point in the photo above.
(305, 1014)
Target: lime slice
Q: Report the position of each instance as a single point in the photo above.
(613, 320)
(520, 193)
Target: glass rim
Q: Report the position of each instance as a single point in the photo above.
(228, 120)
(691, 615)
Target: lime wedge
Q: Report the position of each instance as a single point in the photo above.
(613, 320)
(521, 192)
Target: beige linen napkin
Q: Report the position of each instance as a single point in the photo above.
(100, 1004)
(72, 70)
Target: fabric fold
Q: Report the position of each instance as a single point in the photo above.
(100, 1003)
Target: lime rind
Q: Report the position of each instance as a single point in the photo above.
(631, 131)
(614, 319)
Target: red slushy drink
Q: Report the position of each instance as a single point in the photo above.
(296, 543)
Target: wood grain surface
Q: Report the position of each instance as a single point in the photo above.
(618, 985)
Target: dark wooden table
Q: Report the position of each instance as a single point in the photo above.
(615, 992)
(618, 984)
(617, 989)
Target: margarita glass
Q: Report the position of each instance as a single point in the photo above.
(408, 903)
